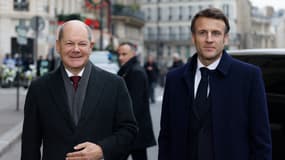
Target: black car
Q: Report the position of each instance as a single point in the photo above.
(272, 63)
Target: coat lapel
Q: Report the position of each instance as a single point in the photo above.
(56, 86)
(189, 76)
(218, 83)
(219, 93)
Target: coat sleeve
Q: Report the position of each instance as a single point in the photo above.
(260, 126)
(125, 128)
(137, 87)
(31, 136)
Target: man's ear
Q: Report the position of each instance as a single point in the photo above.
(57, 46)
(92, 45)
(226, 39)
(192, 38)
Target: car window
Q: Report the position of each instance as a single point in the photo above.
(105, 60)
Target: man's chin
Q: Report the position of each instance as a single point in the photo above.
(76, 65)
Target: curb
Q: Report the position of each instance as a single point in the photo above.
(9, 137)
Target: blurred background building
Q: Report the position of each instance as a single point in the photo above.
(167, 29)
(157, 27)
(28, 27)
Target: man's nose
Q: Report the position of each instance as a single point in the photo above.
(76, 47)
(209, 37)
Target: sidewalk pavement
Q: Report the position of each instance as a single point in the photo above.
(10, 118)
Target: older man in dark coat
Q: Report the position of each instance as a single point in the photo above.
(137, 84)
(65, 119)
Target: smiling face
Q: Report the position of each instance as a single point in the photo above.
(74, 46)
(209, 38)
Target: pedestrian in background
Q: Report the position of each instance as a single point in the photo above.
(176, 61)
(214, 107)
(137, 84)
(9, 61)
(89, 119)
(43, 65)
(152, 72)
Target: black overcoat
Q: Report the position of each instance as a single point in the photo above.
(137, 84)
(106, 118)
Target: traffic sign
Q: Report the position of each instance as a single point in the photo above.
(22, 31)
(37, 23)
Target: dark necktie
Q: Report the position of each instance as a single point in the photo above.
(201, 99)
(75, 81)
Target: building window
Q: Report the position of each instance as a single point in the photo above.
(190, 12)
(178, 49)
(169, 51)
(170, 32)
(226, 9)
(180, 33)
(21, 5)
(158, 33)
(158, 13)
(170, 14)
(180, 12)
(148, 14)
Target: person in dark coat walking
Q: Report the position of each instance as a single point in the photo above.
(152, 72)
(137, 84)
(177, 62)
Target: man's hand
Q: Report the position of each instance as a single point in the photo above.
(86, 151)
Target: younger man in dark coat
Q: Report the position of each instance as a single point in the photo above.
(137, 84)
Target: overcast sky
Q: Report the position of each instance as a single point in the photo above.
(277, 4)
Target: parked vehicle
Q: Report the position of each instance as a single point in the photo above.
(105, 60)
(272, 63)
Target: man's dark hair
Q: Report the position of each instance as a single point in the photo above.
(132, 46)
(211, 13)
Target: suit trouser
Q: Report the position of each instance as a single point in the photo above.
(139, 154)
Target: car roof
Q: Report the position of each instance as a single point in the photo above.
(259, 51)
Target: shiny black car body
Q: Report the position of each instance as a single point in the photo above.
(272, 63)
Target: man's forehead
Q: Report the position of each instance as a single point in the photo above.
(75, 30)
(204, 22)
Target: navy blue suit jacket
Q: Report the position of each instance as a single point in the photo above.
(240, 121)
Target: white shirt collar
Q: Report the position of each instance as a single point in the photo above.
(69, 74)
(212, 66)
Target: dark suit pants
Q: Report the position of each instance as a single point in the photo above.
(137, 155)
